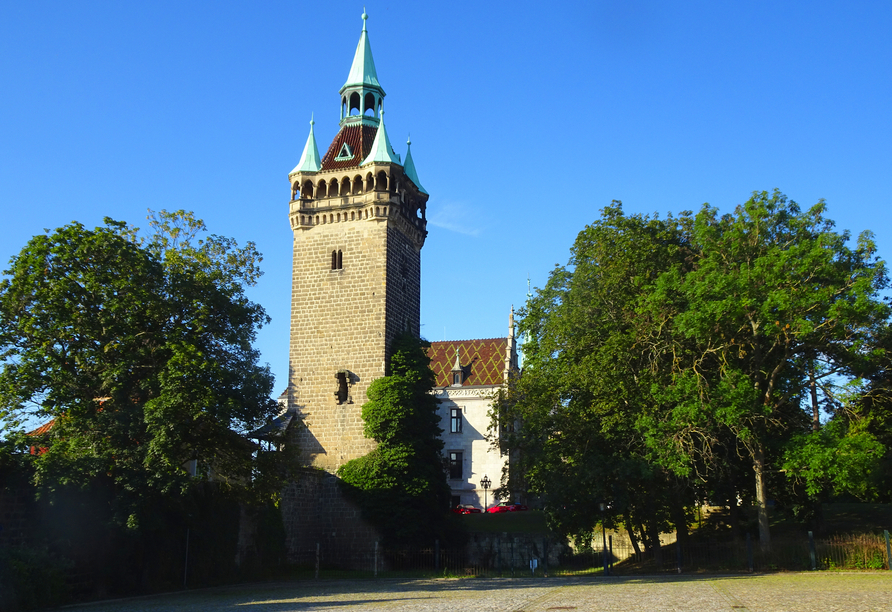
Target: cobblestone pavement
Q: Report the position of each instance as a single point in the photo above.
(807, 592)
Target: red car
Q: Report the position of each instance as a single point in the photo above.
(507, 507)
(460, 509)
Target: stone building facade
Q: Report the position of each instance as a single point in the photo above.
(358, 215)
(468, 375)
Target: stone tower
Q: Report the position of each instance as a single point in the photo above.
(358, 217)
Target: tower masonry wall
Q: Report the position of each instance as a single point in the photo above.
(343, 322)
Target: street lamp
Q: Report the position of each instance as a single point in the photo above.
(485, 483)
(603, 507)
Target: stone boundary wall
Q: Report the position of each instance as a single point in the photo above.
(514, 550)
(315, 511)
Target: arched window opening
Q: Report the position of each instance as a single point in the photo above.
(377, 211)
(385, 211)
(317, 220)
(354, 103)
(381, 183)
(353, 215)
(320, 190)
(343, 107)
(369, 104)
(334, 260)
(345, 186)
(340, 260)
(357, 184)
(339, 217)
(369, 182)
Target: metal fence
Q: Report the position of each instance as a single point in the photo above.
(862, 551)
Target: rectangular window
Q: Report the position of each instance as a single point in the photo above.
(455, 420)
(455, 470)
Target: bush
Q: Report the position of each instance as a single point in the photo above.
(31, 579)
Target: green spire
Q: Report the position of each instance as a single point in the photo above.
(409, 167)
(381, 149)
(309, 160)
(362, 72)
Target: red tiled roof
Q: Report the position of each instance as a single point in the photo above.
(42, 429)
(360, 139)
(482, 361)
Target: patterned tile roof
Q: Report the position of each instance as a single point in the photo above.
(482, 361)
(359, 138)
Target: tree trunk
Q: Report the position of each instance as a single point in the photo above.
(653, 537)
(680, 519)
(632, 538)
(815, 411)
(761, 496)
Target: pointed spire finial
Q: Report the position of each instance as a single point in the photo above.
(365, 17)
(312, 120)
(409, 166)
(309, 159)
(409, 140)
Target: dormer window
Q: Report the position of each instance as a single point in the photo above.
(457, 371)
(345, 153)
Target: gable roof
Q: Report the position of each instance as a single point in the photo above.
(482, 361)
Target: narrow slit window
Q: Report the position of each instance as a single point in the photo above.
(342, 387)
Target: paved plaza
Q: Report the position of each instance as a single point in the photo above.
(812, 592)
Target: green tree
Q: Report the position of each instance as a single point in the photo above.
(667, 349)
(771, 291)
(401, 485)
(592, 352)
(140, 351)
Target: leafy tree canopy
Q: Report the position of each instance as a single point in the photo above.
(401, 485)
(686, 345)
(139, 348)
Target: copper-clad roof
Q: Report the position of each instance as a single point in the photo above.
(359, 138)
(482, 361)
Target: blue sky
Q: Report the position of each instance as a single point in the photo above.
(526, 119)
